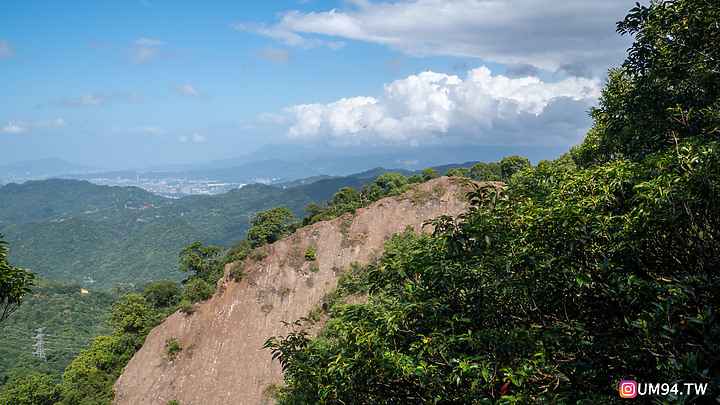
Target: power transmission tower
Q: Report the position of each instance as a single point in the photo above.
(40, 352)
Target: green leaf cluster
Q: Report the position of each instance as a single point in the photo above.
(15, 283)
(668, 89)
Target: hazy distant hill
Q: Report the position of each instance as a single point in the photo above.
(283, 163)
(43, 168)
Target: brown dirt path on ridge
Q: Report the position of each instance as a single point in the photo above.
(222, 361)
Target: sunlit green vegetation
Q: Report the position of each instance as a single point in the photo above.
(71, 318)
(580, 275)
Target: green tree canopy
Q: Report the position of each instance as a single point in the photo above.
(458, 172)
(270, 226)
(511, 165)
(389, 181)
(429, 174)
(14, 283)
(668, 88)
(163, 294)
(31, 389)
(346, 198)
(200, 260)
(486, 171)
(133, 316)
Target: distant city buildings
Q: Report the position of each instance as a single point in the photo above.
(167, 187)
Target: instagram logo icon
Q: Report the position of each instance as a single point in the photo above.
(628, 389)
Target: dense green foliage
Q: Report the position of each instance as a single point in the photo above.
(31, 389)
(90, 377)
(348, 199)
(486, 171)
(89, 337)
(668, 88)
(573, 279)
(201, 261)
(15, 283)
(270, 226)
(562, 289)
(72, 320)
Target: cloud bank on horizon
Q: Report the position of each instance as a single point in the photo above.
(354, 72)
(434, 108)
(567, 39)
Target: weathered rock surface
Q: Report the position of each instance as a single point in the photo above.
(223, 360)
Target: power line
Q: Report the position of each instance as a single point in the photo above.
(28, 335)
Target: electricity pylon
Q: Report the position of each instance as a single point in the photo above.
(40, 352)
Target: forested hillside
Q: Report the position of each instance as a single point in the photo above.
(58, 200)
(75, 231)
(72, 318)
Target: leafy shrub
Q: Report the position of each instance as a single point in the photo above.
(197, 290)
(163, 294)
(172, 347)
(30, 389)
(186, 306)
(310, 253)
(258, 255)
(236, 272)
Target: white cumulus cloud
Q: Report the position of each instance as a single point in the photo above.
(189, 90)
(96, 99)
(430, 107)
(20, 126)
(149, 129)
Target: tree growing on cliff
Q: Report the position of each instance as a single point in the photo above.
(201, 261)
(482, 171)
(270, 226)
(15, 283)
(511, 165)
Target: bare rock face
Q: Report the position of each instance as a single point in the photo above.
(222, 359)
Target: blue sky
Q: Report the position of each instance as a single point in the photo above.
(135, 83)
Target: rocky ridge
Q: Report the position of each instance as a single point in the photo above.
(223, 360)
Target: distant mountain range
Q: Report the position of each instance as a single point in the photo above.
(281, 163)
(49, 167)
